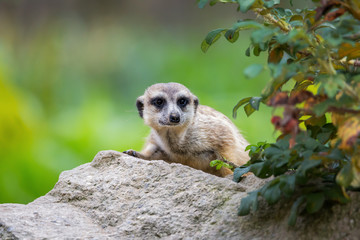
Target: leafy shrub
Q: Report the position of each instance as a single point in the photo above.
(316, 159)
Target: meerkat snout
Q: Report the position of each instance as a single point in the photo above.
(182, 131)
(174, 117)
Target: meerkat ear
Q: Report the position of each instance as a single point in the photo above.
(140, 105)
(196, 102)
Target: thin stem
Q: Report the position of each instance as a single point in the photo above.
(230, 163)
(268, 17)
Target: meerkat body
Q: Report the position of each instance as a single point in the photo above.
(185, 132)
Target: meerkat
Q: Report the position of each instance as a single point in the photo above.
(183, 131)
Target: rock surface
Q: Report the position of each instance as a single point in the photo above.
(120, 197)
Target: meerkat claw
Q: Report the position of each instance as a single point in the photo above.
(131, 153)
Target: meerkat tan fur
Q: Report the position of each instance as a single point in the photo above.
(182, 131)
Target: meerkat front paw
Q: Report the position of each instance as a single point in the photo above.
(132, 153)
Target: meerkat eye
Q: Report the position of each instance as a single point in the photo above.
(182, 102)
(158, 102)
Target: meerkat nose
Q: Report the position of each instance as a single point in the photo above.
(174, 118)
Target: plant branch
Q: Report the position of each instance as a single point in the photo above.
(331, 109)
(230, 163)
(343, 110)
(353, 37)
(355, 63)
(268, 17)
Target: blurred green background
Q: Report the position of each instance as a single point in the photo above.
(70, 72)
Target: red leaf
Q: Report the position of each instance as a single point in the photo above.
(335, 14)
(280, 98)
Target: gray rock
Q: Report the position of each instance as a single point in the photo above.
(120, 197)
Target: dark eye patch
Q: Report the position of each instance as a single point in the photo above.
(158, 102)
(182, 102)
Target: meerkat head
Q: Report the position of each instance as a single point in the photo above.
(167, 105)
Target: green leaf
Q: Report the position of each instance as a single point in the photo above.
(306, 165)
(287, 185)
(211, 38)
(282, 38)
(281, 167)
(204, 46)
(311, 144)
(316, 121)
(271, 3)
(302, 85)
(256, 150)
(262, 35)
(264, 46)
(256, 50)
(239, 104)
(288, 12)
(273, 151)
(238, 172)
(245, 5)
(280, 162)
(324, 137)
(295, 24)
(314, 202)
(331, 84)
(247, 203)
(296, 18)
(256, 168)
(331, 88)
(202, 3)
(345, 175)
(246, 24)
(325, 25)
(272, 193)
(283, 143)
(249, 109)
(231, 35)
(261, 169)
(336, 194)
(219, 164)
(214, 35)
(294, 210)
(321, 108)
(281, 73)
(215, 163)
(253, 70)
(255, 102)
(213, 2)
(248, 147)
(247, 52)
(355, 183)
(336, 154)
